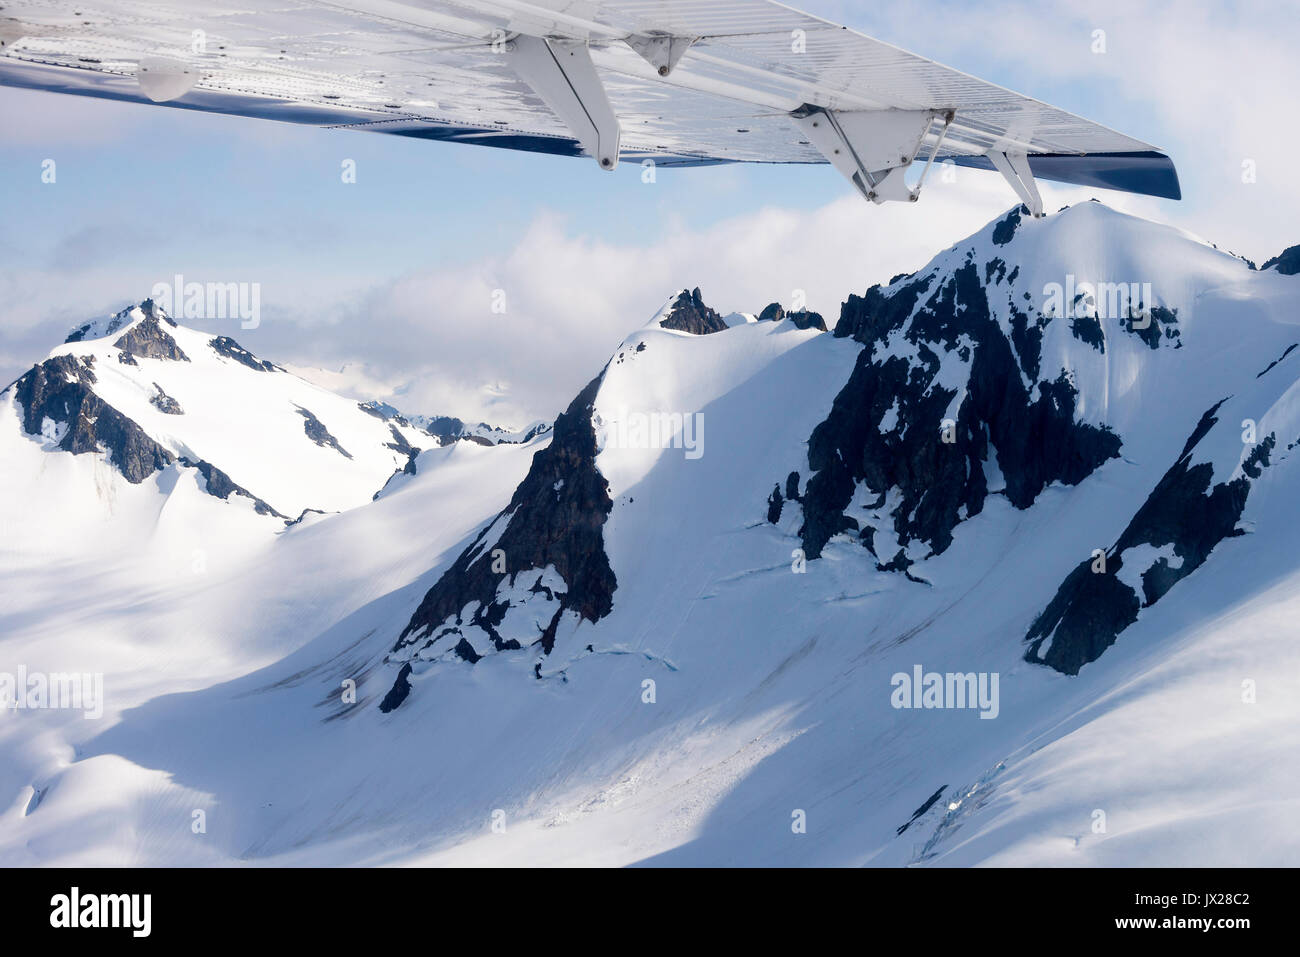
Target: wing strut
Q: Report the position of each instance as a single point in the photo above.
(562, 74)
(872, 148)
(1015, 168)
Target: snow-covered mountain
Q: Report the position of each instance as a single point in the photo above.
(155, 402)
(696, 621)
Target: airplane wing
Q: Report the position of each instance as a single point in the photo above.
(673, 82)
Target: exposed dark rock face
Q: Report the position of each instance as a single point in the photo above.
(400, 445)
(803, 319)
(445, 428)
(60, 389)
(1087, 329)
(316, 431)
(1288, 264)
(1159, 325)
(555, 520)
(147, 339)
(869, 318)
(1005, 231)
(690, 314)
(164, 403)
(230, 349)
(398, 692)
(1287, 352)
(775, 504)
(465, 651)
(929, 803)
(1183, 511)
(220, 485)
(937, 469)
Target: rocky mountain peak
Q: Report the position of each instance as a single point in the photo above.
(802, 318)
(1287, 264)
(688, 313)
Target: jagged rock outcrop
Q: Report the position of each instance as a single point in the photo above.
(58, 402)
(806, 319)
(802, 319)
(230, 349)
(164, 403)
(688, 313)
(147, 339)
(1168, 538)
(545, 551)
(1005, 231)
(445, 428)
(316, 431)
(888, 429)
(1288, 263)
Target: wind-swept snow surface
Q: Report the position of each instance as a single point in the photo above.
(995, 573)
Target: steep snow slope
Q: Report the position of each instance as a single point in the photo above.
(991, 440)
(165, 611)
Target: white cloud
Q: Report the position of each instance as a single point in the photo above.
(570, 299)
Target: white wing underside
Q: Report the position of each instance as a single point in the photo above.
(440, 69)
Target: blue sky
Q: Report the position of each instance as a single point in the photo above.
(372, 274)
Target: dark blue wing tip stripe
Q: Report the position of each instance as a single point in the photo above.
(1147, 173)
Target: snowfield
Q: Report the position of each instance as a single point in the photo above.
(735, 705)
